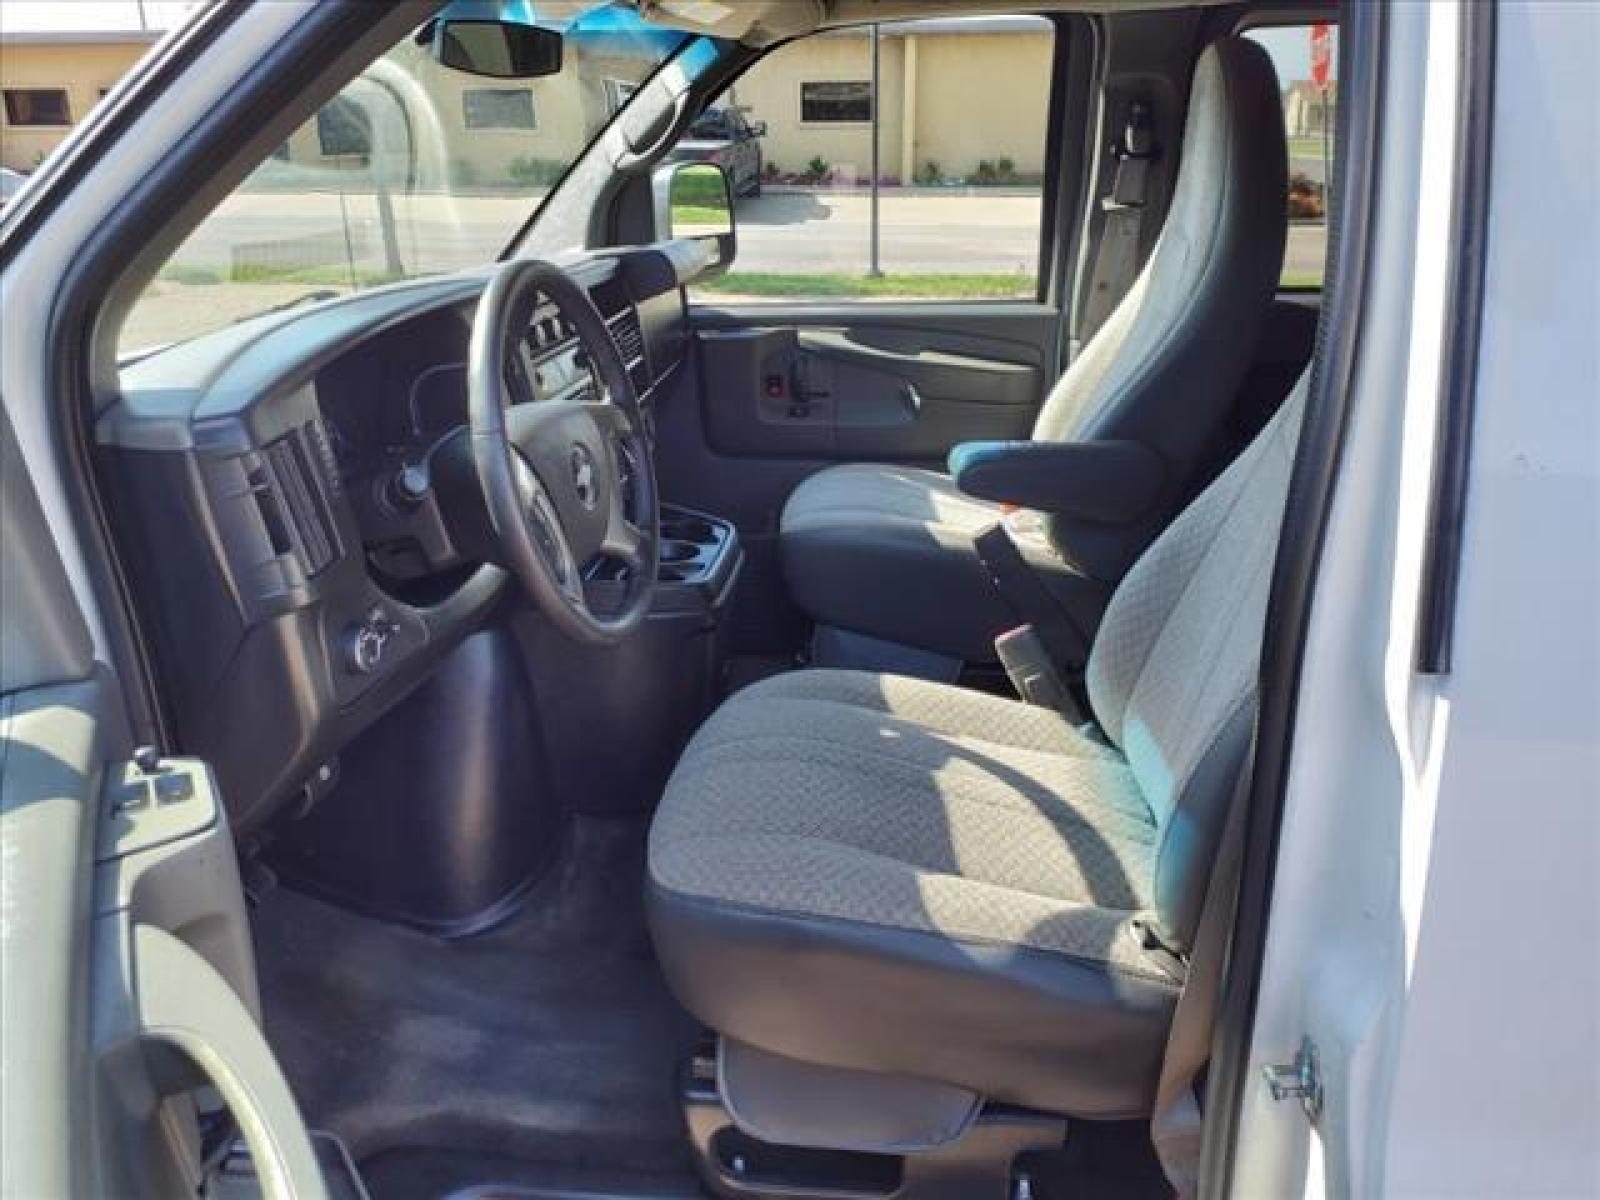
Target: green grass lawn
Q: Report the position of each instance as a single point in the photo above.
(693, 214)
(1308, 147)
(1019, 285)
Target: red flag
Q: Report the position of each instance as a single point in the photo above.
(1321, 53)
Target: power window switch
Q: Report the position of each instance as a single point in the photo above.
(799, 412)
(132, 796)
(776, 387)
(174, 788)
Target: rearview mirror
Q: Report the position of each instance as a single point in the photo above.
(695, 200)
(496, 49)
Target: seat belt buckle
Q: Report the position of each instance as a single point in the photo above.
(1134, 151)
(1032, 672)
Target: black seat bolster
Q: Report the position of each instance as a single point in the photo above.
(1113, 482)
(1025, 1026)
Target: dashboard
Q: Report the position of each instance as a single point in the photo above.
(294, 578)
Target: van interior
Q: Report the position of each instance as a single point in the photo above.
(633, 728)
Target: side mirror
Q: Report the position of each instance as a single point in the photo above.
(695, 200)
(758, 129)
(493, 48)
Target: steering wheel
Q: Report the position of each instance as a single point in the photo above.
(567, 483)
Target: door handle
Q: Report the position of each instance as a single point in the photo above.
(183, 1003)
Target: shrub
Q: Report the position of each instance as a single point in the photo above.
(185, 273)
(818, 170)
(1305, 198)
(529, 171)
(463, 173)
(1006, 170)
(771, 171)
(929, 174)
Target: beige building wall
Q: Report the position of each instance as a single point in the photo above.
(770, 92)
(956, 99)
(568, 109)
(983, 96)
(84, 70)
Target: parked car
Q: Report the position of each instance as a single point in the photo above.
(722, 136)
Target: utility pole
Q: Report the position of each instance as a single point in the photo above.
(874, 270)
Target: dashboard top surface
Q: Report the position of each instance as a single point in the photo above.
(165, 397)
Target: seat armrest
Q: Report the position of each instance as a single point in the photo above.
(1107, 481)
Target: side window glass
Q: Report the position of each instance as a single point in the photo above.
(959, 122)
(1306, 58)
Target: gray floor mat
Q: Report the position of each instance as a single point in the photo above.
(550, 1039)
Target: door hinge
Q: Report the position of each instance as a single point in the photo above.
(1301, 1079)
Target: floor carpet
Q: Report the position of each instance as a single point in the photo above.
(550, 1039)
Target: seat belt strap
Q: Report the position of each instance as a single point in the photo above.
(1028, 598)
(1176, 1125)
(1116, 259)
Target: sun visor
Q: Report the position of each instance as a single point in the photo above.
(753, 22)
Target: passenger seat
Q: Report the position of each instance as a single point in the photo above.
(887, 551)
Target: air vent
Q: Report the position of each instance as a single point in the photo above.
(295, 506)
(625, 329)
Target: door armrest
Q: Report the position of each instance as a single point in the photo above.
(1107, 481)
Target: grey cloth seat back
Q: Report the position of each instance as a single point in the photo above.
(1172, 675)
(1166, 364)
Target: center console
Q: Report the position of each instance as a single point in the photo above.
(615, 718)
(446, 814)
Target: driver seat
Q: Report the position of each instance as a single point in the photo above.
(897, 879)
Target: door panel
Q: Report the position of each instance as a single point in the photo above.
(902, 383)
(129, 976)
(868, 382)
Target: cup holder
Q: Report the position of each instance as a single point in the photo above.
(691, 547)
(689, 529)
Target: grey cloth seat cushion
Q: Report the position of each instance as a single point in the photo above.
(887, 550)
(953, 874)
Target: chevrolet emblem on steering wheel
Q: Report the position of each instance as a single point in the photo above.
(583, 477)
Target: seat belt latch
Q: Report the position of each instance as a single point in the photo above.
(1029, 667)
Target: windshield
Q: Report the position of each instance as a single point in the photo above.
(416, 168)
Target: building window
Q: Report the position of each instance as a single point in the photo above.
(37, 106)
(618, 93)
(343, 128)
(836, 101)
(498, 108)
